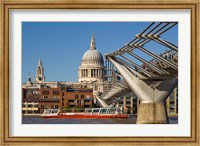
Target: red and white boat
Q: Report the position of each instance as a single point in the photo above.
(98, 113)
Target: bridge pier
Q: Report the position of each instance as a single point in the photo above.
(152, 113)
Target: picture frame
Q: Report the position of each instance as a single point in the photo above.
(6, 6)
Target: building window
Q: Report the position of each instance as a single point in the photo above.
(36, 92)
(86, 72)
(76, 96)
(45, 96)
(70, 101)
(29, 92)
(92, 72)
(30, 105)
(54, 106)
(55, 92)
(82, 96)
(46, 92)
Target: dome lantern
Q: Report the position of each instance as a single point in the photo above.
(93, 55)
(92, 43)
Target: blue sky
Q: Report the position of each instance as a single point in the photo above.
(61, 45)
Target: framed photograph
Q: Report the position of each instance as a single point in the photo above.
(99, 72)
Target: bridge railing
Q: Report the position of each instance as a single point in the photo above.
(160, 64)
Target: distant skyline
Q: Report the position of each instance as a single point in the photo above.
(61, 45)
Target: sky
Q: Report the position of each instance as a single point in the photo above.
(61, 45)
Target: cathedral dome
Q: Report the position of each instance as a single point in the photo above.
(92, 65)
(92, 55)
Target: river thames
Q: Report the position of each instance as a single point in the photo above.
(39, 120)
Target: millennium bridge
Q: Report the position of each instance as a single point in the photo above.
(151, 80)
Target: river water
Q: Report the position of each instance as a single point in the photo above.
(39, 120)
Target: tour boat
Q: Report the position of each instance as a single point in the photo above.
(99, 113)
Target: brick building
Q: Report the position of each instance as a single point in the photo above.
(78, 98)
(50, 98)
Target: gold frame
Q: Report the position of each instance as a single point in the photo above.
(6, 5)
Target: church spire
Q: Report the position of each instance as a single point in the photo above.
(39, 63)
(92, 43)
(29, 77)
(40, 78)
(29, 83)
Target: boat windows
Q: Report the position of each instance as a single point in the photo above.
(112, 111)
(103, 111)
(54, 111)
(95, 111)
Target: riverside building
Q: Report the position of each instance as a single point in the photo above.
(81, 97)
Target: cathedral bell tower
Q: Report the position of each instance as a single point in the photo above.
(40, 78)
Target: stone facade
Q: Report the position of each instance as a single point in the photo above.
(40, 78)
(91, 70)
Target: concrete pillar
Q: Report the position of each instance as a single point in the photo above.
(94, 100)
(99, 72)
(89, 72)
(26, 107)
(138, 103)
(117, 105)
(131, 106)
(33, 107)
(168, 105)
(124, 103)
(175, 101)
(152, 113)
(96, 72)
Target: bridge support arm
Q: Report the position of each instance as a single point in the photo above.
(152, 109)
